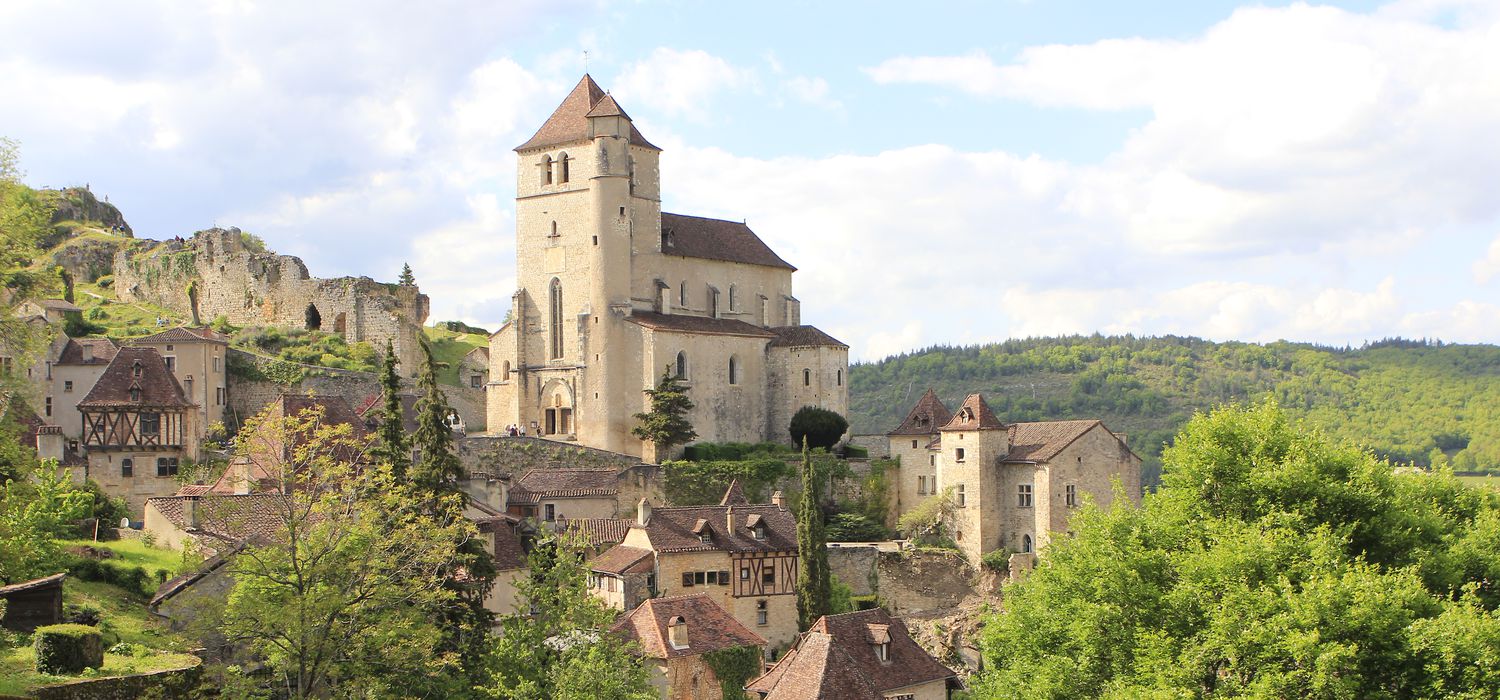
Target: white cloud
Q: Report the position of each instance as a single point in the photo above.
(680, 83)
(1488, 267)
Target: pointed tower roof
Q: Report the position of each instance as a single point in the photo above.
(569, 123)
(734, 495)
(974, 414)
(925, 418)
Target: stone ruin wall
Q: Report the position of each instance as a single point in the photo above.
(266, 289)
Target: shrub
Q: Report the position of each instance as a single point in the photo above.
(820, 426)
(81, 614)
(856, 452)
(67, 649)
(732, 451)
(997, 561)
(105, 282)
(853, 527)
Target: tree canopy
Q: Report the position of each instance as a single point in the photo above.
(817, 427)
(666, 424)
(1273, 562)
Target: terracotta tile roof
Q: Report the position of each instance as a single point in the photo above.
(569, 123)
(336, 411)
(193, 490)
(600, 531)
(182, 582)
(974, 414)
(804, 336)
(673, 529)
(843, 647)
(184, 334)
(1039, 442)
(620, 559)
(369, 411)
(697, 324)
(734, 495)
(816, 670)
(925, 418)
(709, 627)
(537, 484)
(158, 388)
(607, 107)
(101, 351)
(509, 540)
(716, 239)
(233, 518)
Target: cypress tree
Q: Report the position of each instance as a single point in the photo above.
(437, 469)
(814, 587)
(391, 446)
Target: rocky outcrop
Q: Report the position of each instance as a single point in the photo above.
(88, 259)
(78, 204)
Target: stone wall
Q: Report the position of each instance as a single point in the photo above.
(265, 289)
(505, 456)
(878, 445)
(906, 581)
(173, 683)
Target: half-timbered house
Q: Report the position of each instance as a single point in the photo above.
(138, 428)
(743, 555)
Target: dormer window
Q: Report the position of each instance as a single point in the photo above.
(135, 369)
(760, 532)
(135, 394)
(705, 537)
(883, 652)
(667, 240)
(677, 632)
(880, 639)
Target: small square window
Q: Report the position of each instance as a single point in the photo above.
(1023, 495)
(958, 454)
(68, 385)
(768, 576)
(744, 573)
(700, 578)
(962, 501)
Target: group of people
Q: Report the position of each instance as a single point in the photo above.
(514, 430)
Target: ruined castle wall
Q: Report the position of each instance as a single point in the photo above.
(265, 289)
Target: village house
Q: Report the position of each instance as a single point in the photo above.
(744, 556)
(552, 494)
(674, 634)
(613, 292)
(865, 655)
(196, 357)
(138, 428)
(1013, 484)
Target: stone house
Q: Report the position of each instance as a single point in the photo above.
(1015, 484)
(72, 372)
(138, 427)
(744, 556)
(623, 577)
(553, 494)
(196, 357)
(613, 292)
(865, 655)
(198, 520)
(474, 369)
(262, 468)
(675, 633)
(506, 538)
(51, 310)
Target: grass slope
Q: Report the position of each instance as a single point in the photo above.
(1409, 401)
(448, 347)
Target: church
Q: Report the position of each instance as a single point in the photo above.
(614, 292)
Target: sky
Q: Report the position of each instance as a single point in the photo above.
(940, 173)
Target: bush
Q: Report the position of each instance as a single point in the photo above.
(105, 281)
(820, 426)
(997, 561)
(67, 649)
(853, 527)
(130, 578)
(856, 452)
(732, 451)
(81, 614)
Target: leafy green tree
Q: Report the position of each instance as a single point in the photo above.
(818, 427)
(1273, 562)
(926, 521)
(814, 588)
(561, 648)
(334, 602)
(666, 424)
(407, 278)
(35, 509)
(24, 221)
(391, 447)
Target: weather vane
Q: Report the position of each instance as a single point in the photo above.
(585, 60)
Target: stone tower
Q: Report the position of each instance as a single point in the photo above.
(974, 443)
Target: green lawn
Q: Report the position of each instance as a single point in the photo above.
(136, 553)
(1490, 481)
(18, 672)
(124, 320)
(450, 347)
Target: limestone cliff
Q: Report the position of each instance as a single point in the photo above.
(254, 288)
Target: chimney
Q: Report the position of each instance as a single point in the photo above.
(49, 442)
(190, 512)
(778, 500)
(494, 492)
(643, 512)
(729, 521)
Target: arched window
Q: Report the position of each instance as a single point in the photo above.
(734, 370)
(682, 365)
(562, 168)
(731, 298)
(505, 371)
(553, 233)
(806, 377)
(546, 167)
(713, 302)
(840, 376)
(682, 294)
(1026, 544)
(135, 369)
(313, 318)
(677, 634)
(555, 297)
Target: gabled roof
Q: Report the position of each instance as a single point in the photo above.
(837, 659)
(620, 559)
(369, 410)
(925, 418)
(734, 495)
(101, 351)
(681, 323)
(599, 531)
(1041, 441)
(716, 239)
(569, 123)
(678, 529)
(509, 540)
(33, 585)
(804, 337)
(184, 334)
(537, 484)
(336, 411)
(607, 107)
(709, 627)
(233, 518)
(974, 414)
(57, 304)
(158, 388)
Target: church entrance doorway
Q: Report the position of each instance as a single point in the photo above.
(557, 409)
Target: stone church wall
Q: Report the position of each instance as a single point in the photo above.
(265, 289)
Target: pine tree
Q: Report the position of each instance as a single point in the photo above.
(392, 448)
(666, 424)
(437, 469)
(406, 276)
(814, 585)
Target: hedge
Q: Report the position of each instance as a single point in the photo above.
(65, 650)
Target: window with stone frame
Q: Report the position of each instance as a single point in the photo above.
(762, 613)
(1070, 496)
(958, 493)
(1023, 496)
(127, 467)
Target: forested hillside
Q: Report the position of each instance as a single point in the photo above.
(1409, 401)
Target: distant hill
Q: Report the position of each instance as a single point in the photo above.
(1409, 401)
